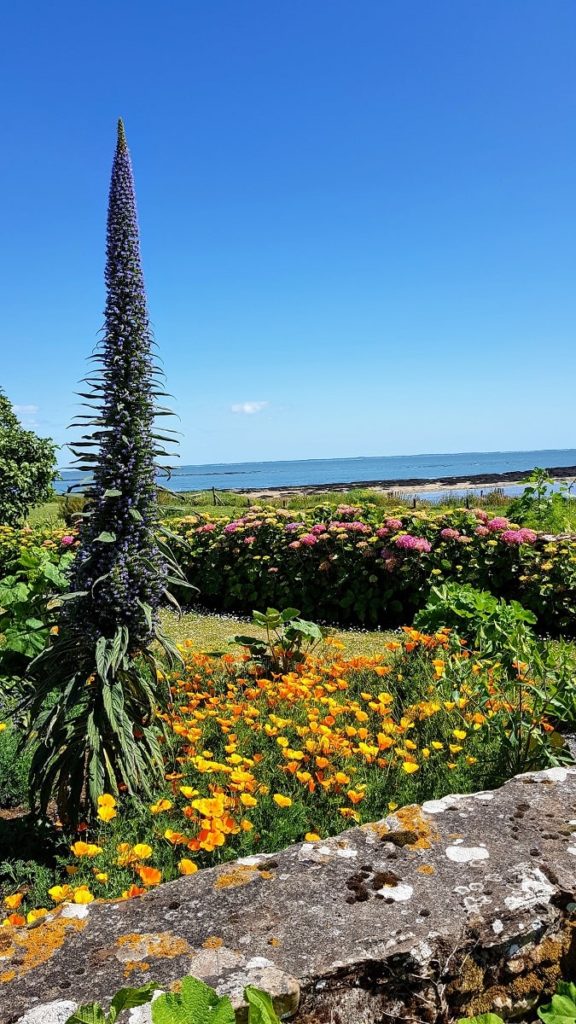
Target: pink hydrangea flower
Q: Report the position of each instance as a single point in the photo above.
(409, 543)
(354, 527)
(449, 534)
(481, 531)
(498, 523)
(523, 536)
(348, 510)
(249, 540)
(67, 540)
(393, 524)
(308, 539)
(295, 544)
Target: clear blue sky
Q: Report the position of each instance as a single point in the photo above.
(357, 215)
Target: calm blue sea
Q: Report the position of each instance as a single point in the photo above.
(262, 475)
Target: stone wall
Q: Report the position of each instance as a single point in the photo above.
(461, 906)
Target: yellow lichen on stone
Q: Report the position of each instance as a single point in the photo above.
(34, 946)
(240, 874)
(413, 819)
(426, 869)
(135, 965)
(212, 942)
(151, 944)
(416, 832)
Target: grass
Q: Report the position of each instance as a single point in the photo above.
(213, 632)
(48, 514)
(229, 503)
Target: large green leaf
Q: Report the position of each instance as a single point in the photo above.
(562, 1009)
(126, 998)
(260, 1007)
(197, 1003)
(90, 1013)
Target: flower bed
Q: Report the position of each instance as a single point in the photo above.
(349, 567)
(254, 763)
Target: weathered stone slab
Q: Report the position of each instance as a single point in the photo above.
(462, 906)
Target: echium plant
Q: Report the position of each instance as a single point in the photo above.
(120, 564)
(98, 690)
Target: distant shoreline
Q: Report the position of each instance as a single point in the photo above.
(403, 486)
(400, 485)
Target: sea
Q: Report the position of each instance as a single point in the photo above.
(354, 471)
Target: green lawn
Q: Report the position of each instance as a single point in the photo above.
(229, 503)
(212, 633)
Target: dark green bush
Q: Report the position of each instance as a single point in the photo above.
(27, 466)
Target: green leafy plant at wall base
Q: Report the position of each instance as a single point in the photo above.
(289, 639)
(125, 999)
(562, 1009)
(196, 1003)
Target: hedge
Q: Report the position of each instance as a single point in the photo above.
(349, 566)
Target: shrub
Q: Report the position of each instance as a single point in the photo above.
(29, 603)
(540, 505)
(14, 768)
(496, 627)
(289, 640)
(27, 467)
(72, 506)
(374, 569)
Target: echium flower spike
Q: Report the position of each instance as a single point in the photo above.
(119, 564)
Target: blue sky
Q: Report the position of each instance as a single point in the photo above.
(358, 217)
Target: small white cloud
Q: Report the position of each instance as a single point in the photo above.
(25, 410)
(249, 408)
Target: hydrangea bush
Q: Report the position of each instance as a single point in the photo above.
(344, 566)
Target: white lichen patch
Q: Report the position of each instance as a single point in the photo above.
(483, 796)
(439, 806)
(207, 963)
(534, 888)
(347, 852)
(258, 962)
(572, 850)
(422, 952)
(466, 854)
(497, 926)
(56, 1012)
(318, 854)
(399, 893)
(474, 903)
(75, 910)
(556, 774)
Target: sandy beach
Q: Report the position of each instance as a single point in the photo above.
(407, 487)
